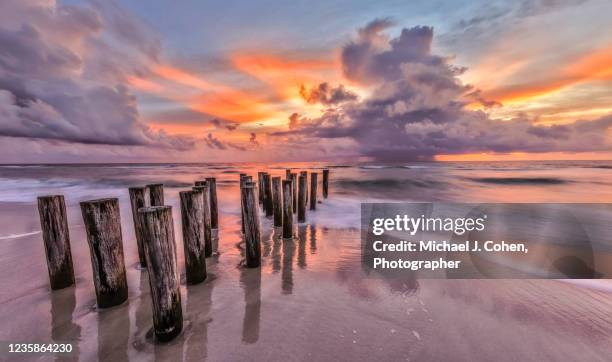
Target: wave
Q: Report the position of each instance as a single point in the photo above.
(386, 183)
(520, 180)
(16, 236)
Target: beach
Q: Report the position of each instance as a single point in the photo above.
(311, 299)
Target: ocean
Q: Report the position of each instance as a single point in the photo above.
(311, 299)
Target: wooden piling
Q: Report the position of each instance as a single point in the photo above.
(252, 236)
(260, 186)
(138, 200)
(156, 194)
(203, 188)
(287, 209)
(164, 280)
(305, 174)
(54, 227)
(302, 198)
(325, 183)
(268, 204)
(288, 174)
(103, 226)
(192, 216)
(313, 191)
(277, 201)
(294, 184)
(243, 180)
(214, 209)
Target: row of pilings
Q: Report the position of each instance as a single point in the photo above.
(280, 199)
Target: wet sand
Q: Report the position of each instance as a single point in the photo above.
(311, 300)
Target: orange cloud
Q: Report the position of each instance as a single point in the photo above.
(285, 75)
(182, 77)
(144, 84)
(593, 66)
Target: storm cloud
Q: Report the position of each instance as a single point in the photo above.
(61, 73)
(417, 107)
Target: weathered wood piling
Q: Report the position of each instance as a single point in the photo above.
(268, 203)
(164, 281)
(325, 183)
(243, 180)
(287, 220)
(103, 226)
(260, 186)
(214, 209)
(305, 174)
(138, 200)
(313, 191)
(277, 201)
(252, 236)
(203, 188)
(56, 237)
(294, 182)
(302, 198)
(156, 194)
(192, 216)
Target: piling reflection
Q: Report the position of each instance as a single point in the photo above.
(301, 259)
(276, 254)
(287, 270)
(313, 239)
(63, 328)
(113, 333)
(250, 281)
(199, 306)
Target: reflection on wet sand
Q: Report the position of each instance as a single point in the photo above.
(63, 328)
(301, 261)
(199, 305)
(313, 239)
(250, 281)
(287, 271)
(113, 333)
(276, 254)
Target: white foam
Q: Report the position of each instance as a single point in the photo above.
(16, 236)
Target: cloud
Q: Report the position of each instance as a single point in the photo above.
(213, 142)
(230, 126)
(253, 139)
(326, 94)
(417, 108)
(61, 70)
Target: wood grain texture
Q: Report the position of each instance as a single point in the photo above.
(302, 198)
(192, 217)
(325, 183)
(268, 203)
(294, 184)
(214, 208)
(277, 201)
(305, 174)
(156, 194)
(137, 201)
(252, 236)
(287, 209)
(56, 238)
(103, 226)
(164, 280)
(260, 185)
(313, 190)
(208, 245)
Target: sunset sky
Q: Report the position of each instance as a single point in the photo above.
(199, 81)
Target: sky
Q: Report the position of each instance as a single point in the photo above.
(194, 81)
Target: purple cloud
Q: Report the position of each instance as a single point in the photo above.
(417, 107)
(61, 70)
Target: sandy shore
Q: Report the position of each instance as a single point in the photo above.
(310, 300)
